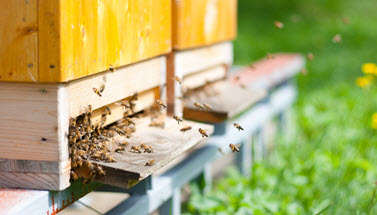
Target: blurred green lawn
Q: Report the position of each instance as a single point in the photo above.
(330, 165)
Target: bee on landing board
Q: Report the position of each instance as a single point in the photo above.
(198, 106)
(238, 126)
(234, 148)
(74, 176)
(124, 144)
(96, 91)
(177, 119)
(123, 103)
(100, 171)
(207, 107)
(203, 132)
(185, 128)
(111, 68)
(161, 104)
(102, 88)
(135, 149)
(120, 149)
(149, 163)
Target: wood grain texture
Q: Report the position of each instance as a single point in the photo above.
(167, 144)
(203, 22)
(27, 115)
(195, 60)
(96, 34)
(19, 40)
(28, 166)
(226, 101)
(121, 84)
(45, 181)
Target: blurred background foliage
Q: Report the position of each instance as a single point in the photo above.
(330, 165)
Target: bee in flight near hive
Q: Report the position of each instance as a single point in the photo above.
(149, 163)
(96, 91)
(177, 119)
(198, 106)
(160, 103)
(234, 148)
(186, 128)
(203, 132)
(135, 149)
(102, 88)
(111, 68)
(123, 103)
(278, 24)
(238, 126)
(177, 79)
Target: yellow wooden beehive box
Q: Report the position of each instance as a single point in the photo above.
(62, 40)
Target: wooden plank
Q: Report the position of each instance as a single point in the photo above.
(191, 61)
(49, 39)
(201, 78)
(118, 85)
(225, 99)
(19, 40)
(167, 144)
(203, 22)
(267, 73)
(27, 116)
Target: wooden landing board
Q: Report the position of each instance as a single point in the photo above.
(167, 144)
(225, 99)
(267, 73)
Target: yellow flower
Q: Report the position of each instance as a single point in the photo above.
(374, 121)
(369, 68)
(365, 81)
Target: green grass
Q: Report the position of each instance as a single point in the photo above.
(330, 165)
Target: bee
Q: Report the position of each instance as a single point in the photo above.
(123, 103)
(198, 106)
(238, 126)
(111, 68)
(103, 119)
(92, 175)
(234, 148)
(95, 90)
(134, 97)
(119, 149)
(337, 38)
(279, 24)
(143, 146)
(177, 119)
(108, 110)
(207, 107)
(135, 149)
(203, 133)
(177, 79)
(119, 131)
(186, 128)
(124, 144)
(101, 88)
(100, 170)
(160, 103)
(148, 149)
(89, 165)
(310, 56)
(149, 163)
(221, 151)
(74, 176)
(129, 120)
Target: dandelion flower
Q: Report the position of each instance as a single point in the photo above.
(369, 68)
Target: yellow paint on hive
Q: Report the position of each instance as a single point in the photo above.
(81, 37)
(203, 22)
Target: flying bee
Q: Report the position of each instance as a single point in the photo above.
(337, 38)
(207, 107)
(74, 176)
(135, 149)
(160, 103)
(346, 20)
(119, 131)
(176, 78)
(310, 56)
(111, 68)
(101, 88)
(238, 126)
(234, 148)
(186, 128)
(149, 163)
(278, 24)
(123, 103)
(203, 132)
(95, 90)
(100, 170)
(177, 119)
(119, 149)
(198, 106)
(124, 144)
(134, 97)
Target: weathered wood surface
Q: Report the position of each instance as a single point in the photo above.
(225, 99)
(18, 40)
(59, 41)
(269, 72)
(167, 144)
(203, 22)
